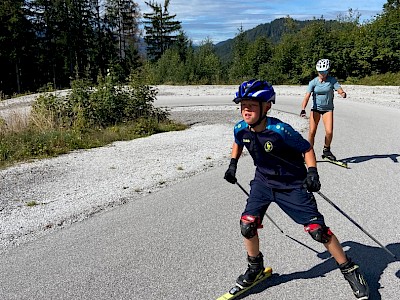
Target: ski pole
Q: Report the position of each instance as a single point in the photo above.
(272, 221)
(354, 222)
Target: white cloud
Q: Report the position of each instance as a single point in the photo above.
(220, 20)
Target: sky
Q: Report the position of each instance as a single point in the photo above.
(221, 20)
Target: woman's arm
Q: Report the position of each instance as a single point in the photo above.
(304, 105)
(305, 101)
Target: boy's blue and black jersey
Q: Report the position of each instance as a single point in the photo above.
(277, 153)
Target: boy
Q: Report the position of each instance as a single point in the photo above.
(279, 153)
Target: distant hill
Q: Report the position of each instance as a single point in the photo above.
(274, 31)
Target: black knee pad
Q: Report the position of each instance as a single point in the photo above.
(249, 225)
(319, 233)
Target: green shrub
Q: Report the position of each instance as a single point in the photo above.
(91, 116)
(377, 79)
(103, 105)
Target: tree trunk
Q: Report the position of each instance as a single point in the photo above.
(18, 78)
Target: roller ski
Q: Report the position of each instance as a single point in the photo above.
(329, 157)
(254, 274)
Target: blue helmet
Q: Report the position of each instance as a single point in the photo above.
(253, 89)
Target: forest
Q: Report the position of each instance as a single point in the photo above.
(47, 44)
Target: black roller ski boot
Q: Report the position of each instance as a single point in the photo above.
(254, 272)
(326, 153)
(358, 284)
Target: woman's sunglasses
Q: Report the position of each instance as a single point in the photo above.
(323, 72)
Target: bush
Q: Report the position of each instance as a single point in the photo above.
(99, 106)
(378, 79)
(91, 116)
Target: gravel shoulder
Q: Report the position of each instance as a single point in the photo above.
(72, 187)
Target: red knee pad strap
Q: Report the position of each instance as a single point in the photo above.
(249, 225)
(319, 233)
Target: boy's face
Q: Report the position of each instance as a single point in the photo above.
(251, 110)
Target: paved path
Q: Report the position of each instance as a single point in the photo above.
(184, 241)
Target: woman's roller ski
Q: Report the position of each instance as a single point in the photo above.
(328, 156)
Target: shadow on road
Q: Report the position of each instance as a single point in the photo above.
(372, 260)
(360, 159)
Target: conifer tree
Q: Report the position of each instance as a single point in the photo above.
(122, 19)
(160, 27)
(239, 68)
(16, 36)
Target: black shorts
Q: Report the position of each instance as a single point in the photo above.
(297, 203)
(321, 112)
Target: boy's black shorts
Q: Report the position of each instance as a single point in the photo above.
(297, 203)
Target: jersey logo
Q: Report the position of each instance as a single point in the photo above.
(268, 146)
(246, 141)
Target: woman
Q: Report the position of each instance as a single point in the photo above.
(322, 89)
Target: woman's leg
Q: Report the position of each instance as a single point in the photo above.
(314, 120)
(327, 118)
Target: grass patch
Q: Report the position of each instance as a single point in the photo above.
(90, 116)
(32, 203)
(388, 79)
(35, 144)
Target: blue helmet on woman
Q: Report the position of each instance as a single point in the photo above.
(258, 90)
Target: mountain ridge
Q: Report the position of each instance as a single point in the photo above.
(273, 30)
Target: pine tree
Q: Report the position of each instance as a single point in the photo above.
(122, 17)
(239, 68)
(16, 36)
(66, 33)
(160, 27)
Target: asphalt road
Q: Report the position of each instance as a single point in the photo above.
(184, 241)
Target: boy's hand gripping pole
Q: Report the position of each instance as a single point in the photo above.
(354, 222)
(272, 221)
